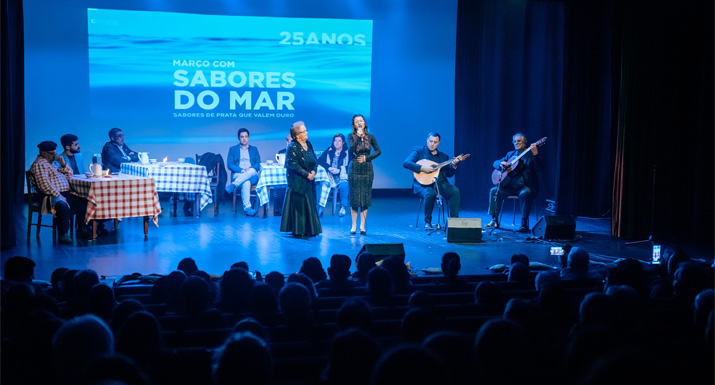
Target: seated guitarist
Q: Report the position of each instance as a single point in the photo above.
(428, 191)
(521, 181)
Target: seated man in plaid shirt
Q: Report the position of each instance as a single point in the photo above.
(52, 184)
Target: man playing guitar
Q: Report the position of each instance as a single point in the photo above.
(421, 161)
(519, 179)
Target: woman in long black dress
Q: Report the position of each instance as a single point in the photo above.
(361, 174)
(300, 215)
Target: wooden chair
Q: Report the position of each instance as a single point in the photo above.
(36, 207)
(254, 196)
(213, 181)
(334, 196)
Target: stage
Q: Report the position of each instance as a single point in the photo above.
(217, 241)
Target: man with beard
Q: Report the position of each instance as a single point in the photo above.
(71, 154)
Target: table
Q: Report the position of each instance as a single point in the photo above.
(273, 175)
(116, 197)
(176, 178)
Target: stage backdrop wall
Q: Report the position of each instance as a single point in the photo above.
(180, 77)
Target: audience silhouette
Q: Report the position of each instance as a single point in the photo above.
(639, 324)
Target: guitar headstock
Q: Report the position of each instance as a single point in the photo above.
(540, 141)
(462, 157)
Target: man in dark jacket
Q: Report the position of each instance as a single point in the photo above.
(520, 180)
(428, 190)
(115, 152)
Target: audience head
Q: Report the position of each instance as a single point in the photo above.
(417, 324)
(19, 269)
(235, 287)
(240, 265)
(396, 266)
(249, 324)
(519, 272)
(398, 366)
(689, 279)
(702, 307)
(364, 263)
(195, 295)
(629, 272)
(598, 309)
(353, 354)
(83, 281)
(488, 294)
(578, 258)
(544, 278)
(115, 370)
(294, 300)
(306, 282)
(56, 277)
(339, 269)
(244, 358)
(455, 350)
(379, 282)
(102, 302)
(354, 313)
(421, 299)
(672, 258)
(263, 300)
(187, 265)
(519, 258)
(77, 343)
(313, 269)
(275, 280)
(140, 337)
(500, 343)
(123, 311)
(450, 265)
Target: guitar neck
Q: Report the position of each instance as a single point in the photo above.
(519, 157)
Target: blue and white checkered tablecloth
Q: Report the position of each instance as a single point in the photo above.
(273, 175)
(175, 177)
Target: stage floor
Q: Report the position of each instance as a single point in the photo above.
(217, 241)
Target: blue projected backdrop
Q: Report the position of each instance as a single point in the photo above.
(228, 67)
(180, 77)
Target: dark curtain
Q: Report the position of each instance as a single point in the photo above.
(623, 90)
(12, 135)
(663, 175)
(518, 70)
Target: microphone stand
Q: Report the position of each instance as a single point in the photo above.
(439, 209)
(496, 200)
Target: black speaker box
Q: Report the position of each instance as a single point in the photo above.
(555, 227)
(384, 250)
(464, 230)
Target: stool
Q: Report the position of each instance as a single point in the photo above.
(442, 213)
(515, 200)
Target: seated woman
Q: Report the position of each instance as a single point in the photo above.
(335, 160)
(300, 215)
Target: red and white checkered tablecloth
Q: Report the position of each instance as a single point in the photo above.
(118, 196)
(175, 177)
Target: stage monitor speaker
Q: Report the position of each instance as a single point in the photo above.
(464, 230)
(555, 227)
(384, 250)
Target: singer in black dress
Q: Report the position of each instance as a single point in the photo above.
(300, 213)
(364, 148)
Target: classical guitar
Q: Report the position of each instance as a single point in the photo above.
(427, 179)
(501, 177)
